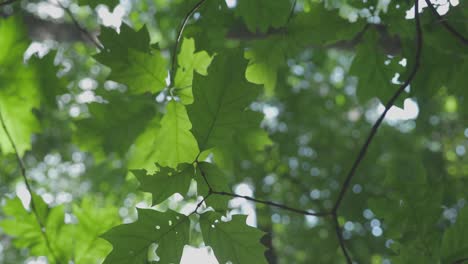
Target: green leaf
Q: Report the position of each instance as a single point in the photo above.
(265, 57)
(232, 241)
(143, 154)
(165, 182)
(263, 14)
(189, 61)
(18, 87)
(77, 241)
(132, 61)
(320, 27)
(174, 143)
(374, 75)
(23, 226)
(93, 219)
(217, 180)
(114, 126)
(131, 242)
(221, 100)
(50, 85)
(141, 72)
(455, 240)
(246, 144)
(119, 43)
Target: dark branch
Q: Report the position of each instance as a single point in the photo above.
(178, 39)
(341, 239)
(85, 32)
(388, 105)
(200, 203)
(270, 203)
(22, 167)
(447, 26)
(210, 189)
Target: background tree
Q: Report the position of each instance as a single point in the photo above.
(252, 131)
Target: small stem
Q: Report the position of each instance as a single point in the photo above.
(178, 39)
(80, 28)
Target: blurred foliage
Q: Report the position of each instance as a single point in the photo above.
(276, 95)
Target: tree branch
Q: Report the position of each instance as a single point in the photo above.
(22, 167)
(80, 28)
(270, 203)
(373, 132)
(339, 235)
(388, 105)
(447, 26)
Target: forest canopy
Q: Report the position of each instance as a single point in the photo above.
(233, 131)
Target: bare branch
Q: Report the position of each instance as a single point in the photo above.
(270, 203)
(447, 26)
(339, 235)
(85, 32)
(388, 105)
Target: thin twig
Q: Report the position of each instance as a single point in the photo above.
(22, 167)
(85, 32)
(178, 39)
(210, 189)
(447, 26)
(201, 202)
(341, 239)
(270, 203)
(7, 2)
(388, 105)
